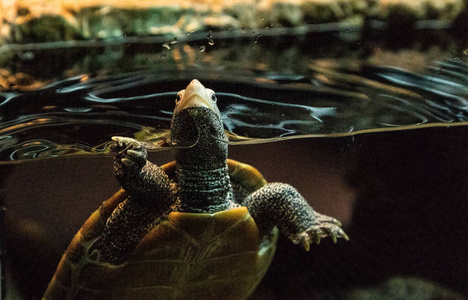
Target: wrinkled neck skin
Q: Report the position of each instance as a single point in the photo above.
(201, 154)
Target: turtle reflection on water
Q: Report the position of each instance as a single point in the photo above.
(202, 227)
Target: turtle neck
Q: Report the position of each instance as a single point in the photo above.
(203, 190)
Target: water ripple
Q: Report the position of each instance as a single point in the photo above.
(80, 114)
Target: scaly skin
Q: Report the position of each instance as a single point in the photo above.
(201, 184)
(281, 205)
(150, 199)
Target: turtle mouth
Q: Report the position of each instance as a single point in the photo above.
(196, 100)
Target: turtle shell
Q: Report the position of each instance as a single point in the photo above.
(186, 256)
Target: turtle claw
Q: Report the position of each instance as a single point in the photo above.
(131, 146)
(131, 155)
(128, 162)
(334, 238)
(124, 139)
(318, 238)
(125, 143)
(345, 236)
(305, 242)
(327, 219)
(328, 228)
(135, 154)
(304, 239)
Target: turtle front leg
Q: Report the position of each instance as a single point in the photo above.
(281, 205)
(140, 178)
(148, 187)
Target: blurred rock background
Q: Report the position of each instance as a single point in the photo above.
(29, 21)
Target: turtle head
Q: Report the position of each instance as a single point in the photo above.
(197, 130)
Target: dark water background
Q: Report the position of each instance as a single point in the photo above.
(372, 132)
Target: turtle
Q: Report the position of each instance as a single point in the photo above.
(200, 227)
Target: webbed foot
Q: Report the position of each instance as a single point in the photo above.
(131, 154)
(325, 227)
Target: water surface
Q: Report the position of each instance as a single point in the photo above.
(79, 115)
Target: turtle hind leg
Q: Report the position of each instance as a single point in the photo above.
(281, 205)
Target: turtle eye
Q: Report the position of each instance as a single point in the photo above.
(212, 95)
(179, 97)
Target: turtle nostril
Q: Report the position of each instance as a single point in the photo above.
(195, 82)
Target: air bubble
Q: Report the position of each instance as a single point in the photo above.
(168, 44)
(210, 40)
(256, 38)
